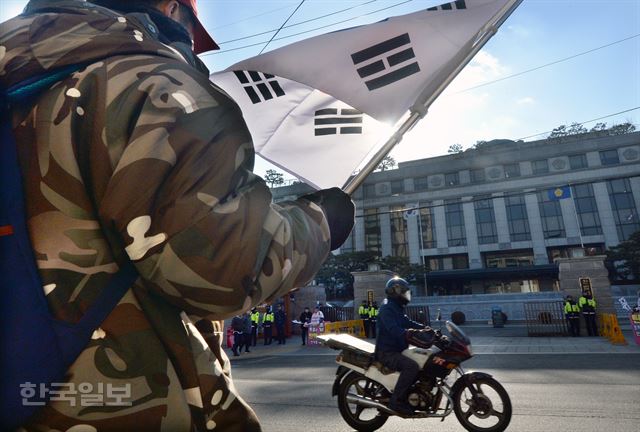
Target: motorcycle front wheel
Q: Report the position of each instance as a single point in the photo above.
(489, 410)
(360, 418)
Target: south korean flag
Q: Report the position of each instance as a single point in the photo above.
(301, 129)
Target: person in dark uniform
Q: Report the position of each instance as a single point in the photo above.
(267, 325)
(255, 321)
(305, 319)
(394, 328)
(588, 307)
(572, 314)
(280, 321)
(373, 318)
(246, 332)
(237, 324)
(363, 311)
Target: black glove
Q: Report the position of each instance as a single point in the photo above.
(340, 212)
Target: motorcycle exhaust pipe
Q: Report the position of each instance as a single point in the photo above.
(368, 403)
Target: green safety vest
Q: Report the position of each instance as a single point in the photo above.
(571, 308)
(268, 317)
(255, 317)
(587, 305)
(363, 311)
(373, 312)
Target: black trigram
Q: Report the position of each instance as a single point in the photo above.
(378, 59)
(264, 83)
(460, 4)
(331, 121)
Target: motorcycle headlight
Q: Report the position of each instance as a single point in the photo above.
(470, 349)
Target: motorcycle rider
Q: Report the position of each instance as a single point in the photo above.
(394, 330)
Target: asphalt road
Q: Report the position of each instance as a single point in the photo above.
(565, 392)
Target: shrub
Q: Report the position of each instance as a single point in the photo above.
(458, 317)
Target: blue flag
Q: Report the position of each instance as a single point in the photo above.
(559, 193)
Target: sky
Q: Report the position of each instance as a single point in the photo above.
(575, 88)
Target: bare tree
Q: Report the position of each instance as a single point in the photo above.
(387, 163)
(455, 148)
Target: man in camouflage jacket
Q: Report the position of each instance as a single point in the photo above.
(138, 156)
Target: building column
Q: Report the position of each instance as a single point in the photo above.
(385, 231)
(635, 189)
(359, 229)
(413, 234)
(502, 223)
(475, 261)
(441, 224)
(605, 212)
(535, 226)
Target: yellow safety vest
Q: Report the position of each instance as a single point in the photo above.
(587, 305)
(255, 317)
(268, 317)
(571, 308)
(373, 312)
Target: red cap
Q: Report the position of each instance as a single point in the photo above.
(202, 40)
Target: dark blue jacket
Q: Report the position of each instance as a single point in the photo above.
(392, 325)
(280, 318)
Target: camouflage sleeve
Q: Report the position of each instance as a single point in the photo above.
(188, 210)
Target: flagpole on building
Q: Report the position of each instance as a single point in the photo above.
(424, 274)
(419, 109)
(575, 212)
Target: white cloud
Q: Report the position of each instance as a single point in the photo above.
(528, 100)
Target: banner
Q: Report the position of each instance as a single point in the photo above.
(352, 327)
(318, 107)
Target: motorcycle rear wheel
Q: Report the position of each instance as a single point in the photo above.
(492, 401)
(360, 385)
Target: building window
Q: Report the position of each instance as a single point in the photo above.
(428, 227)
(578, 161)
(455, 224)
(540, 166)
(609, 157)
(551, 215)
(372, 237)
(369, 191)
(448, 262)
(518, 258)
(420, 184)
(397, 187)
(587, 210)
(349, 245)
(517, 217)
(513, 286)
(477, 175)
(451, 179)
(624, 208)
(574, 251)
(512, 170)
(485, 220)
(399, 244)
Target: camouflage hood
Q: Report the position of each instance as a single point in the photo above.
(53, 34)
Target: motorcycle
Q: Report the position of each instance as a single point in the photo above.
(364, 386)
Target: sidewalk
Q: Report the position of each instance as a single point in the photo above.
(511, 339)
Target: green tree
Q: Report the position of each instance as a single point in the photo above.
(274, 178)
(624, 258)
(576, 129)
(598, 127)
(455, 148)
(387, 163)
(335, 273)
(412, 273)
(621, 129)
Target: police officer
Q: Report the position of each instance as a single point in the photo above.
(363, 311)
(588, 307)
(280, 321)
(237, 324)
(255, 321)
(373, 317)
(267, 323)
(572, 314)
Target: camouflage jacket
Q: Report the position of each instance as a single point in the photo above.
(138, 156)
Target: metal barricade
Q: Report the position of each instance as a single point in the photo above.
(419, 313)
(334, 314)
(545, 319)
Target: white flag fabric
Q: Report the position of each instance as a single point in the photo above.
(304, 131)
(378, 71)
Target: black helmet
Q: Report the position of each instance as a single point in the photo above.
(399, 289)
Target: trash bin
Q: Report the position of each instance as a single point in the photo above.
(497, 317)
